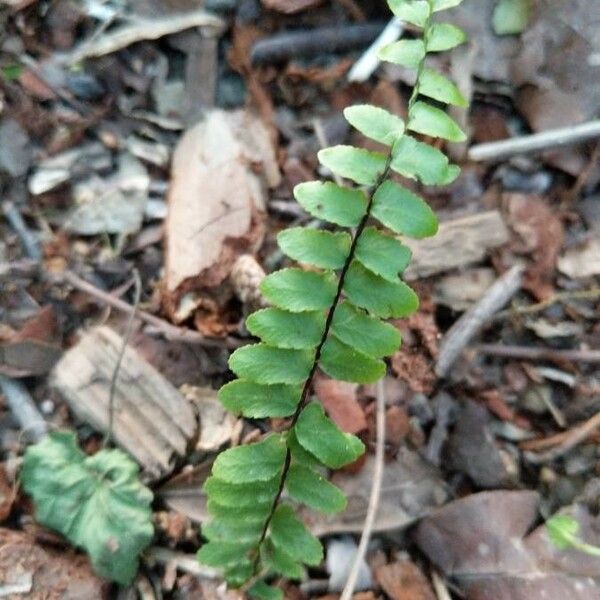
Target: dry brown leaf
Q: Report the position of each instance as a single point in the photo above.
(403, 580)
(216, 202)
(582, 261)
(339, 400)
(481, 541)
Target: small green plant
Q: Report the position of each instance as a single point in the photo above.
(563, 532)
(329, 318)
(97, 502)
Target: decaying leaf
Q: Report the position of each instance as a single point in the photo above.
(97, 502)
(216, 203)
(482, 542)
(411, 489)
(582, 261)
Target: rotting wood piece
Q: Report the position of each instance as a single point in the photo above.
(459, 242)
(152, 420)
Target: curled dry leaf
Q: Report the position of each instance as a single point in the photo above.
(339, 400)
(216, 204)
(403, 580)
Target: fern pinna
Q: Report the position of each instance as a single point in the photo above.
(329, 318)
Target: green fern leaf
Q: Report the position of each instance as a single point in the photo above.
(444, 36)
(345, 363)
(240, 495)
(364, 333)
(436, 86)
(266, 364)
(415, 12)
(379, 296)
(408, 53)
(258, 401)
(444, 4)
(320, 436)
(247, 534)
(382, 254)
(359, 165)
(318, 248)
(300, 455)
(221, 554)
(375, 123)
(290, 535)
(285, 329)
(403, 212)
(430, 120)
(298, 291)
(308, 487)
(281, 562)
(330, 202)
(417, 160)
(257, 462)
(261, 591)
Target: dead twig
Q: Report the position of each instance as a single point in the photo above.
(146, 29)
(127, 335)
(23, 408)
(567, 442)
(462, 332)
(373, 498)
(534, 353)
(536, 142)
(171, 332)
(313, 42)
(591, 294)
(30, 244)
(367, 64)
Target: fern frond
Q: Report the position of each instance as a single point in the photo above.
(330, 318)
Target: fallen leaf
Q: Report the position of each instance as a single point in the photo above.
(540, 235)
(481, 541)
(411, 488)
(415, 369)
(403, 580)
(41, 572)
(290, 7)
(582, 261)
(339, 400)
(216, 201)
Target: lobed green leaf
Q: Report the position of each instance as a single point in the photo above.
(403, 212)
(237, 575)
(310, 488)
(257, 401)
(379, 296)
(364, 333)
(240, 495)
(408, 53)
(438, 87)
(97, 502)
(417, 160)
(415, 12)
(444, 36)
(330, 202)
(320, 436)
(357, 164)
(262, 461)
(298, 291)
(382, 254)
(429, 120)
(345, 363)
(266, 364)
(289, 535)
(375, 123)
(286, 329)
(322, 249)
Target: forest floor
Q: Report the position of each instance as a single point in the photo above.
(148, 152)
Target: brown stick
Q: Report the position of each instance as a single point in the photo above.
(171, 332)
(572, 438)
(529, 353)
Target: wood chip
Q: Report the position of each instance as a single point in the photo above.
(458, 243)
(153, 422)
